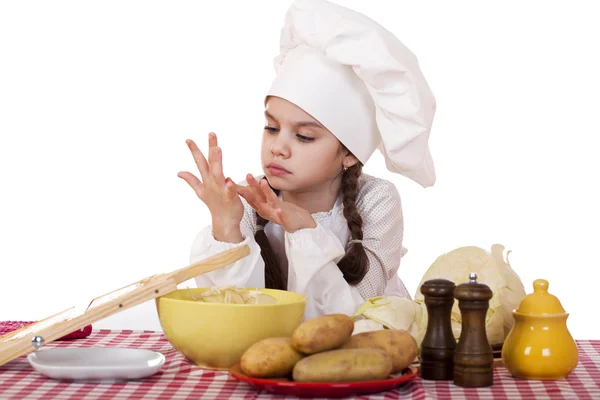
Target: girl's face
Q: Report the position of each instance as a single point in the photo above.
(298, 153)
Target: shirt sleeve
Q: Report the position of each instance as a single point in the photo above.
(246, 272)
(312, 271)
(383, 229)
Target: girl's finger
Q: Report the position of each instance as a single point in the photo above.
(194, 182)
(212, 143)
(245, 193)
(270, 195)
(230, 192)
(249, 197)
(255, 207)
(254, 185)
(216, 166)
(251, 181)
(198, 158)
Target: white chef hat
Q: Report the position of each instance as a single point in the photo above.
(359, 81)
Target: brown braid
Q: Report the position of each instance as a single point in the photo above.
(354, 265)
(274, 278)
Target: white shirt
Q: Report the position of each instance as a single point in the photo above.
(310, 256)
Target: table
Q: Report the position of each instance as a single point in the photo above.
(179, 379)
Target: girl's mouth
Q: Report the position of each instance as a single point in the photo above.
(277, 169)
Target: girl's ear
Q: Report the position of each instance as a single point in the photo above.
(349, 160)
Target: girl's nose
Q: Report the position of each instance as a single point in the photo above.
(279, 146)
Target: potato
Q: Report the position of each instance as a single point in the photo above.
(398, 343)
(327, 332)
(270, 358)
(344, 365)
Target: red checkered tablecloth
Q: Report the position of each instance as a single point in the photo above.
(178, 379)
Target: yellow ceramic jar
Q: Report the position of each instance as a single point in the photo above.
(539, 346)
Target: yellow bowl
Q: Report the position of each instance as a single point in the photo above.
(215, 335)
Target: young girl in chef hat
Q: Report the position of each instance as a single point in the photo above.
(315, 224)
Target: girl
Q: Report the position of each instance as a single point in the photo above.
(315, 224)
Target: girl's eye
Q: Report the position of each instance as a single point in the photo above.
(271, 129)
(305, 138)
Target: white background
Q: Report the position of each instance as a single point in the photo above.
(97, 99)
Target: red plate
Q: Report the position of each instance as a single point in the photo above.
(321, 389)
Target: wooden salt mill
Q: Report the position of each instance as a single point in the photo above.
(437, 348)
(473, 357)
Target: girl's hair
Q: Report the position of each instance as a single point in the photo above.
(355, 263)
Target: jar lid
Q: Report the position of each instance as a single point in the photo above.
(540, 302)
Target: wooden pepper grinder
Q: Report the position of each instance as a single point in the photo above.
(437, 348)
(473, 357)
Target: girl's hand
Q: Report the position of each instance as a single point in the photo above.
(266, 203)
(219, 194)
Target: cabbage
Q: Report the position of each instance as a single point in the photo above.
(491, 269)
(391, 312)
(512, 293)
(233, 295)
(394, 312)
(366, 325)
(385, 311)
